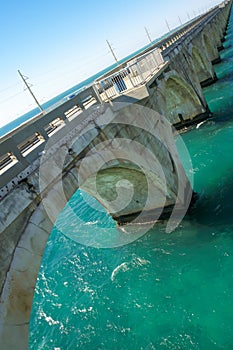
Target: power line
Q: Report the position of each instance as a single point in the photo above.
(12, 96)
(8, 88)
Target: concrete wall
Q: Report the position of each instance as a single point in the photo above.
(24, 222)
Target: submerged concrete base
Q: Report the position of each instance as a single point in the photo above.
(217, 60)
(190, 122)
(209, 81)
(155, 215)
(221, 48)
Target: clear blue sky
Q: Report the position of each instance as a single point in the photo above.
(59, 43)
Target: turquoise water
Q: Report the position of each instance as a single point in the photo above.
(163, 291)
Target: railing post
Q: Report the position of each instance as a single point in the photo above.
(16, 152)
(155, 59)
(131, 81)
(97, 92)
(140, 71)
(43, 133)
(148, 65)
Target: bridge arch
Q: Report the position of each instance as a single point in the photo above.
(181, 102)
(210, 47)
(19, 286)
(202, 66)
(216, 33)
(115, 178)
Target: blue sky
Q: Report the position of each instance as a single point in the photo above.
(59, 43)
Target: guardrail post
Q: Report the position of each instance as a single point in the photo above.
(156, 62)
(16, 152)
(97, 93)
(140, 72)
(130, 79)
(43, 134)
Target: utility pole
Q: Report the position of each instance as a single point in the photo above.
(29, 89)
(148, 35)
(167, 25)
(112, 52)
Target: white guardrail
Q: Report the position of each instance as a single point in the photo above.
(133, 75)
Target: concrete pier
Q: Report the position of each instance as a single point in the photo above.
(50, 150)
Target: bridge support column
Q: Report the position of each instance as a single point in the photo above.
(133, 169)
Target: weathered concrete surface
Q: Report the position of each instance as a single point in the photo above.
(177, 93)
(16, 219)
(23, 243)
(134, 153)
(24, 222)
(17, 294)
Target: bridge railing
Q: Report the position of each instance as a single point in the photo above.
(186, 37)
(136, 72)
(20, 149)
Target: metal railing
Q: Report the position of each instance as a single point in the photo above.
(134, 74)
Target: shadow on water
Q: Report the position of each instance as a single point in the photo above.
(223, 69)
(220, 95)
(222, 118)
(210, 148)
(215, 208)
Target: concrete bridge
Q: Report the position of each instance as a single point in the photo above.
(79, 144)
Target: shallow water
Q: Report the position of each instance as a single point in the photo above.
(163, 291)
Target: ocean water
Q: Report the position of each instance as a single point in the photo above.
(163, 291)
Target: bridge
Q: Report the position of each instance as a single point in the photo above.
(89, 142)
